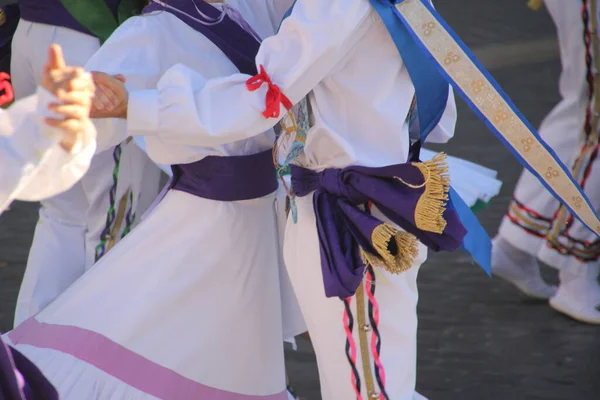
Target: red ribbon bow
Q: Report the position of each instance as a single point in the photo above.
(5, 87)
(274, 98)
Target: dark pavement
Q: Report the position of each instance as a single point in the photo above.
(478, 338)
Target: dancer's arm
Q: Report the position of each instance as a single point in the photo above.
(131, 54)
(309, 45)
(40, 158)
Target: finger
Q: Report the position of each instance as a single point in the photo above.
(98, 113)
(112, 83)
(63, 74)
(110, 95)
(97, 104)
(69, 111)
(120, 78)
(69, 126)
(75, 97)
(56, 59)
(77, 83)
(100, 78)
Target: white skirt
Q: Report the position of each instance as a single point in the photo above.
(186, 307)
(474, 183)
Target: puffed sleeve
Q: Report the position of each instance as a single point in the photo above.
(34, 165)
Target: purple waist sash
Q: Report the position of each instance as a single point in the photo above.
(52, 12)
(411, 197)
(20, 379)
(232, 178)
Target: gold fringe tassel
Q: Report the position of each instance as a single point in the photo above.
(535, 5)
(429, 213)
(394, 261)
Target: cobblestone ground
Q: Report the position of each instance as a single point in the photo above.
(478, 339)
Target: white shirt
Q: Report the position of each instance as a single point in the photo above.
(143, 49)
(336, 51)
(33, 165)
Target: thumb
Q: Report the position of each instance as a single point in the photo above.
(56, 59)
(120, 77)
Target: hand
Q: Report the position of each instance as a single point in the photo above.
(74, 89)
(59, 79)
(111, 97)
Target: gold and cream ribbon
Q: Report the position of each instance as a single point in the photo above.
(491, 104)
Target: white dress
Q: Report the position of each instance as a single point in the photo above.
(188, 305)
(33, 164)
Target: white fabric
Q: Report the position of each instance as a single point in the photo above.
(397, 296)
(71, 223)
(472, 182)
(328, 50)
(198, 295)
(189, 300)
(33, 164)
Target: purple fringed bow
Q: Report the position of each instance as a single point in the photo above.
(344, 228)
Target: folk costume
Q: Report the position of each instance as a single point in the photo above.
(364, 215)
(536, 226)
(188, 305)
(78, 226)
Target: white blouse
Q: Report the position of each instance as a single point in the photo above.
(339, 53)
(32, 163)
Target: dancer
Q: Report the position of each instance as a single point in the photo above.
(80, 225)
(355, 122)
(354, 161)
(200, 273)
(536, 226)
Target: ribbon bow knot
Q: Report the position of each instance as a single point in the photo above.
(274, 98)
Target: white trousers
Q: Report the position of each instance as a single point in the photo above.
(396, 295)
(71, 223)
(532, 223)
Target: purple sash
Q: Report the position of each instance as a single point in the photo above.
(239, 45)
(20, 379)
(222, 178)
(347, 232)
(231, 178)
(52, 12)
